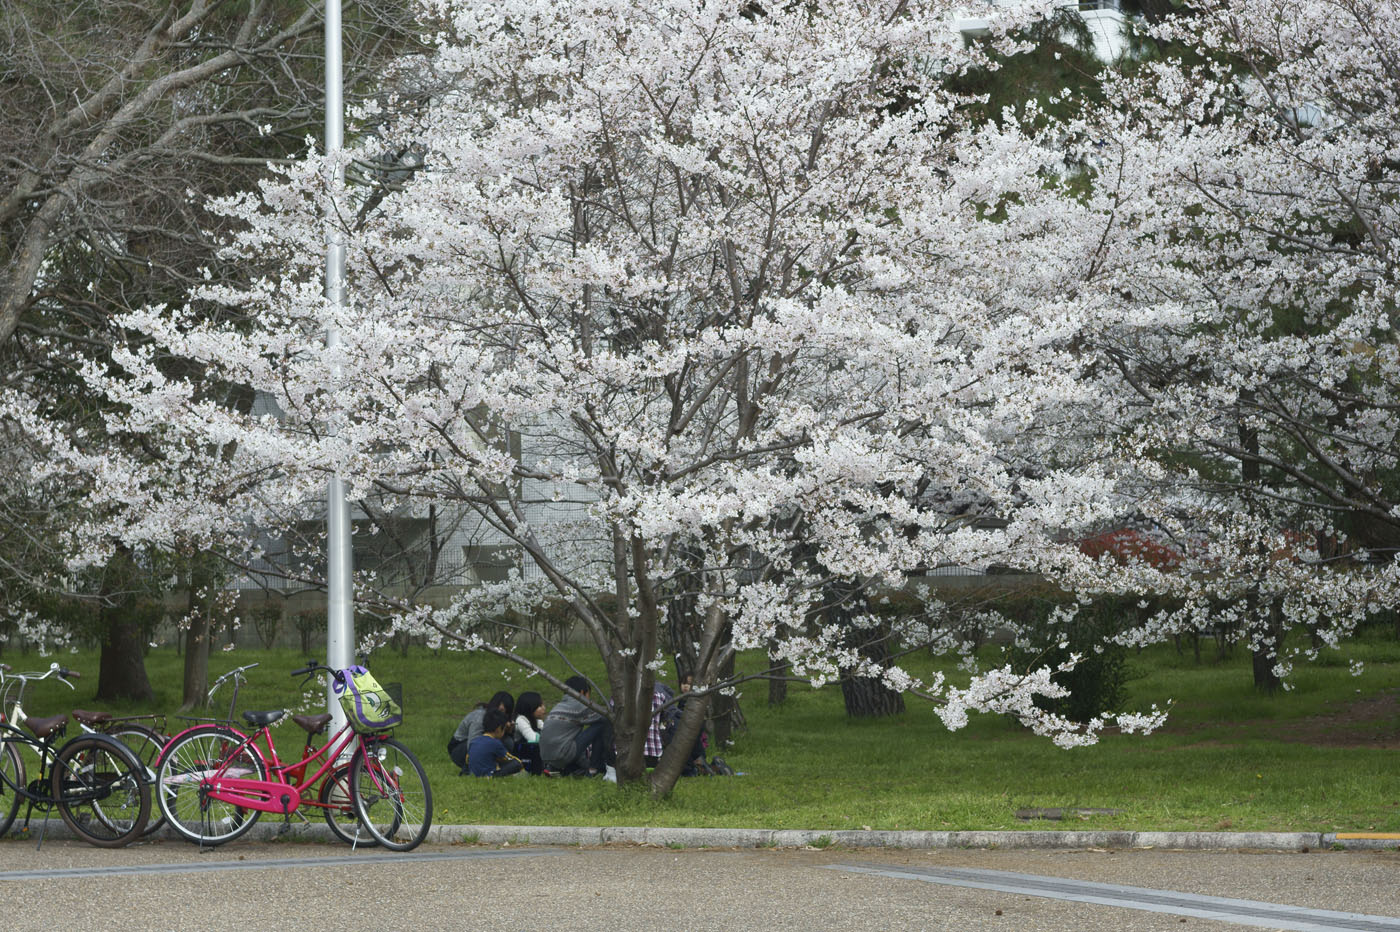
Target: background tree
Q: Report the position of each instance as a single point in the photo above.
(1251, 184)
(709, 275)
(121, 119)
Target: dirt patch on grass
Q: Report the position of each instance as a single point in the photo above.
(1369, 722)
(1211, 743)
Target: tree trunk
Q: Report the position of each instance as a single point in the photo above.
(122, 667)
(685, 626)
(196, 681)
(1264, 678)
(866, 697)
(725, 715)
(1264, 650)
(778, 685)
(1265, 653)
(628, 741)
(686, 631)
(869, 698)
(121, 671)
(716, 667)
(197, 636)
(631, 701)
(675, 756)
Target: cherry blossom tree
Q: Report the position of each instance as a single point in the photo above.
(121, 118)
(1250, 177)
(767, 314)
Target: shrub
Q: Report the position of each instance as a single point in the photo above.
(308, 624)
(266, 620)
(1097, 684)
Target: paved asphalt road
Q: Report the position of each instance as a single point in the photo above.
(256, 885)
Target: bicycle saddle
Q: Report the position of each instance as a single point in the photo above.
(314, 724)
(43, 727)
(260, 719)
(91, 718)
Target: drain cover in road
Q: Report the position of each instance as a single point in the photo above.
(1243, 912)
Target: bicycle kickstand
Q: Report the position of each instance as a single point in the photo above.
(43, 828)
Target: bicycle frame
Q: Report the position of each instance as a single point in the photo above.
(93, 780)
(47, 751)
(284, 795)
(109, 723)
(238, 678)
(12, 687)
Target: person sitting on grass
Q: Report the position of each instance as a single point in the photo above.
(529, 719)
(469, 729)
(575, 739)
(662, 726)
(695, 762)
(487, 756)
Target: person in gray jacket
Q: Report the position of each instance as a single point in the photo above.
(469, 729)
(575, 739)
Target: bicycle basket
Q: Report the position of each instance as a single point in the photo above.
(369, 707)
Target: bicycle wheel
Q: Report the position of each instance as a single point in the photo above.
(146, 744)
(340, 811)
(391, 794)
(185, 764)
(101, 791)
(11, 779)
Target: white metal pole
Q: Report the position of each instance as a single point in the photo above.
(340, 599)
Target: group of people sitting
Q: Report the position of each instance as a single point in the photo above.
(507, 735)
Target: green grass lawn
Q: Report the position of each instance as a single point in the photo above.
(1320, 757)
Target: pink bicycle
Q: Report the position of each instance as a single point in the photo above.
(213, 782)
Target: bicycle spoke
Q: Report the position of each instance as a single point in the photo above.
(185, 765)
(391, 794)
(101, 791)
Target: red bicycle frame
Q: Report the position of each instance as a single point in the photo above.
(284, 792)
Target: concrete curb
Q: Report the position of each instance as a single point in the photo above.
(576, 836)
(767, 838)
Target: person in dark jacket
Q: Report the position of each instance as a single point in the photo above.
(575, 739)
(487, 755)
(469, 729)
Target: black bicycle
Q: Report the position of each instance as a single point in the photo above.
(98, 786)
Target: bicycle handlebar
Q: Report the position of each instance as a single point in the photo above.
(54, 670)
(311, 669)
(235, 672)
(315, 666)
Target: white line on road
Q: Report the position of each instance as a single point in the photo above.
(1223, 909)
